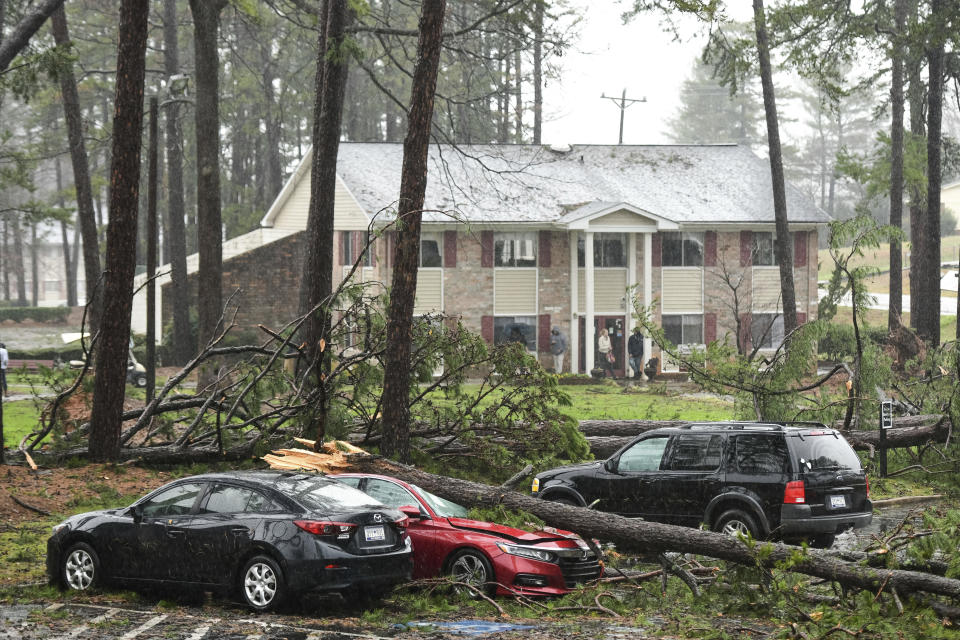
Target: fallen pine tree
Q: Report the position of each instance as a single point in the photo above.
(652, 537)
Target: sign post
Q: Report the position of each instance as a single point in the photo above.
(886, 422)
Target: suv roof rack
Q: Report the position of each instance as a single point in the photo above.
(772, 425)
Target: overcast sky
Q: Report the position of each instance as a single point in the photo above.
(609, 57)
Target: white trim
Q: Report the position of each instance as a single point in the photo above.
(306, 162)
(661, 223)
(573, 238)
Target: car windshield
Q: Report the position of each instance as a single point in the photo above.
(318, 494)
(444, 508)
(824, 452)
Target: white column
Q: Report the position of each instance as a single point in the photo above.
(647, 287)
(589, 338)
(574, 334)
(631, 294)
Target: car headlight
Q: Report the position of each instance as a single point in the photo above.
(532, 553)
(57, 528)
(536, 485)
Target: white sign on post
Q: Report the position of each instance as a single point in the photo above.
(886, 414)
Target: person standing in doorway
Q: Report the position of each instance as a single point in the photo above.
(4, 360)
(558, 347)
(635, 351)
(605, 349)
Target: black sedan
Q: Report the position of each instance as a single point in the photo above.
(263, 534)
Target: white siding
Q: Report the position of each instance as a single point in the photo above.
(766, 289)
(347, 214)
(609, 289)
(429, 291)
(682, 290)
(515, 291)
(617, 219)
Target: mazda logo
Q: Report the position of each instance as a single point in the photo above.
(377, 517)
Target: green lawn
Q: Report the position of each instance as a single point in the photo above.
(19, 418)
(651, 402)
(880, 257)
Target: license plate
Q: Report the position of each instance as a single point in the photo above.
(838, 502)
(374, 534)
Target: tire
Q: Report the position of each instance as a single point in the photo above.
(823, 541)
(80, 568)
(141, 381)
(473, 568)
(735, 522)
(262, 585)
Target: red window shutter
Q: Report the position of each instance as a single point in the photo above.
(450, 249)
(486, 249)
(543, 333)
(709, 328)
(340, 244)
(745, 336)
(746, 248)
(486, 328)
(800, 248)
(391, 248)
(710, 249)
(656, 249)
(801, 318)
(543, 259)
(357, 243)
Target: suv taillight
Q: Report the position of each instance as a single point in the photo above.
(794, 493)
(867, 479)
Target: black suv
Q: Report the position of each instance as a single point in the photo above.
(789, 481)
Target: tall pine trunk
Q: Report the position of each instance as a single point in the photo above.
(896, 165)
(928, 325)
(918, 196)
(69, 264)
(413, 186)
(206, 22)
(782, 246)
(18, 261)
(538, 70)
(316, 285)
(183, 339)
(111, 366)
(86, 216)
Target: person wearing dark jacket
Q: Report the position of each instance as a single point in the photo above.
(635, 351)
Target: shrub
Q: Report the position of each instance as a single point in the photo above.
(52, 315)
(837, 342)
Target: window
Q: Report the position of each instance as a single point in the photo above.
(229, 499)
(766, 330)
(762, 250)
(51, 286)
(515, 249)
(760, 454)
(681, 249)
(699, 452)
(319, 494)
(352, 482)
(352, 243)
(609, 250)
(521, 329)
(683, 328)
(643, 456)
(431, 250)
(175, 501)
(389, 493)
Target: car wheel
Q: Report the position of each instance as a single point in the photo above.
(261, 584)
(80, 567)
(823, 541)
(473, 568)
(736, 523)
(141, 381)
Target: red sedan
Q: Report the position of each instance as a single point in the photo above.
(501, 560)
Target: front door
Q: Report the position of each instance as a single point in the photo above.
(616, 329)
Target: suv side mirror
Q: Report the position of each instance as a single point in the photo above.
(136, 512)
(610, 465)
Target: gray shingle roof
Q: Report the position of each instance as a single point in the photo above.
(533, 184)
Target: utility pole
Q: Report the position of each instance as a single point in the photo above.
(622, 103)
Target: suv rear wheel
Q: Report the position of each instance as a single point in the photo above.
(736, 522)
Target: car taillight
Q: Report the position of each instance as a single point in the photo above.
(867, 479)
(324, 528)
(794, 493)
(403, 522)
